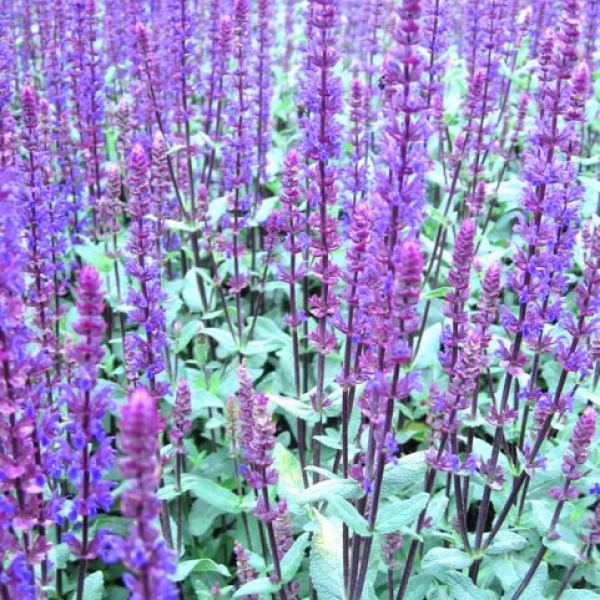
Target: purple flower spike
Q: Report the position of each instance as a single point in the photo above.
(150, 564)
(579, 445)
(144, 350)
(182, 424)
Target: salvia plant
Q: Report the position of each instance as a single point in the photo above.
(299, 300)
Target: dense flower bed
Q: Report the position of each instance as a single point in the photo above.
(299, 299)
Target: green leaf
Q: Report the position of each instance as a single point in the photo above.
(396, 514)
(265, 209)
(439, 559)
(208, 565)
(506, 541)
(201, 517)
(184, 568)
(261, 586)
(168, 492)
(180, 226)
(344, 488)
(294, 407)
(418, 587)
(292, 560)
(462, 588)
(535, 589)
(93, 586)
(212, 493)
(59, 555)
(217, 208)
(429, 348)
(257, 347)
(290, 484)
(398, 477)
(563, 547)
(437, 293)
(187, 334)
(96, 257)
(326, 560)
(580, 595)
(220, 335)
(348, 514)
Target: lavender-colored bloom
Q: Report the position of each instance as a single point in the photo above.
(150, 564)
(90, 454)
(321, 95)
(263, 77)
(403, 163)
(244, 571)
(458, 280)
(579, 445)
(182, 410)
(144, 351)
(22, 479)
(39, 231)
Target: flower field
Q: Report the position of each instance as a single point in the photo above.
(299, 299)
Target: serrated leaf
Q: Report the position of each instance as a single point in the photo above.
(349, 515)
(261, 586)
(326, 560)
(292, 559)
(397, 514)
(506, 541)
(323, 490)
(439, 559)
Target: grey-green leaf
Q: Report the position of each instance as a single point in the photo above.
(343, 488)
(462, 588)
(212, 493)
(438, 559)
(184, 568)
(94, 586)
(506, 541)
(348, 514)
(261, 586)
(404, 474)
(326, 560)
(397, 514)
(292, 560)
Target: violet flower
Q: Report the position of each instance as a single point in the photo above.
(145, 350)
(90, 453)
(22, 476)
(245, 573)
(150, 564)
(182, 424)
